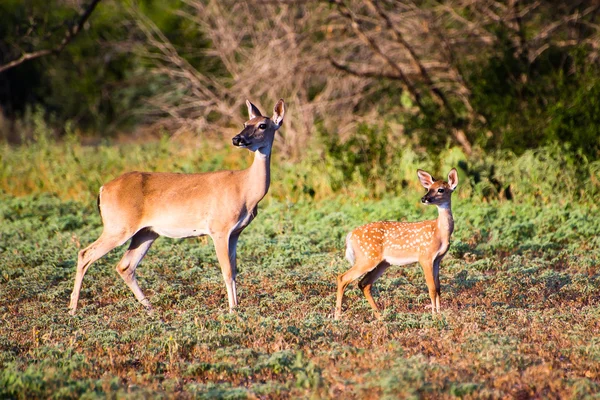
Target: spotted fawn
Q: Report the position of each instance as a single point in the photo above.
(373, 247)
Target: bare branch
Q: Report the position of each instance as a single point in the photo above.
(356, 27)
(25, 57)
(70, 34)
(437, 94)
(363, 74)
(544, 34)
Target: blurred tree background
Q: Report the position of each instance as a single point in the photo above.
(480, 75)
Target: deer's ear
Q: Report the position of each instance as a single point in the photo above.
(278, 113)
(453, 178)
(253, 111)
(425, 178)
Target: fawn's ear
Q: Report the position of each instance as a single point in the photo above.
(278, 113)
(425, 178)
(252, 110)
(453, 178)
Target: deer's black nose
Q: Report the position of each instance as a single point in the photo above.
(239, 141)
(424, 199)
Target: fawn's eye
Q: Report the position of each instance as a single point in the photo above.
(262, 126)
(440, 190)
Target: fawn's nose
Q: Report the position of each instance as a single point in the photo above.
(239, 141)
(424, 199)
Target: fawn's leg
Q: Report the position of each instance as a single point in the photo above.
(367, 282)
(427, 265)
(436, 277)
(360, 267)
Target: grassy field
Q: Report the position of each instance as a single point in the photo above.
(520, 294)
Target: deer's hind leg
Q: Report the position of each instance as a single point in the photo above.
(105, 243)
(139, 246)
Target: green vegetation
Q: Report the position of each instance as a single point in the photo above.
(75, 172)
(519, 287)
(496, 76)
(507, 92)
(98, 83)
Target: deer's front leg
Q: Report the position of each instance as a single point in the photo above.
(225, 246)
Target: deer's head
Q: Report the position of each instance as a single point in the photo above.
(259, 131)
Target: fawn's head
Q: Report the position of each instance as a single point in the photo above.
(438, 192)
(259, 131)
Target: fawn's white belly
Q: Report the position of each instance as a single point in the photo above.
(400, 260)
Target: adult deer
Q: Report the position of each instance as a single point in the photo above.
(373, 247)
(142, 206)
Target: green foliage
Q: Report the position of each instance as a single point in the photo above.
(526, 105)
(575, 120)
(82, 83)
(523, 273)
(363, 156)
(518, 272)
(522, 96)
(75, 171)
(99, 82)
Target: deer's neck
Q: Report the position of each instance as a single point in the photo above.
(445, 222)
(259, 177)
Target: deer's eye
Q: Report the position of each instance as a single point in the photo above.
(262, 126)
(440, 190)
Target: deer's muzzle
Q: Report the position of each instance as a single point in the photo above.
(239, 141)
